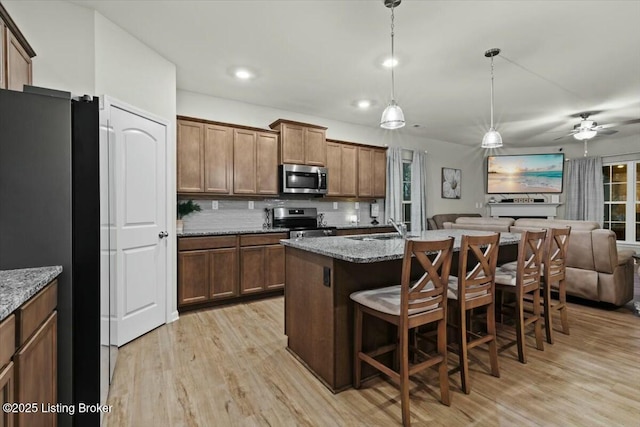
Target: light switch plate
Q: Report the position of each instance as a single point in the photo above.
(335, 205)
(214, 204)
(250, 204)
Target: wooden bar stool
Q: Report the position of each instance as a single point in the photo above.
(474, 288)
(525, 280)
(407, 306)
(553, 278)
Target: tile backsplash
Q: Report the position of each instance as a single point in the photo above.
(233, 214)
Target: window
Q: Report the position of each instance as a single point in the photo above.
(406, 193)
(622, 199)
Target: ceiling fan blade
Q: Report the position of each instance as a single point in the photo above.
(564, 136)
(610, 125)
(606, 131)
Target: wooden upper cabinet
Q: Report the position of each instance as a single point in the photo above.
(379, 173)
(244, 163)
(267, 163)
(342, 162)
(315, 147)
(15, 55)
(218, 159)
(190, 156)
(365, 172)
(301, 143)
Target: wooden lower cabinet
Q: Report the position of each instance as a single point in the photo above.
(211, 269)
(7, 384)
(36, 373)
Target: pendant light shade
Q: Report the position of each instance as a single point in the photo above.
(492, 138)
(392, 116)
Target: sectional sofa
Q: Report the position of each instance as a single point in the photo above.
(596, 269)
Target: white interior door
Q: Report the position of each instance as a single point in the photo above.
(139, 151)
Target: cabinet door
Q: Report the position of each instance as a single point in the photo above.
(365, 172)
(6, 393)
(190, 153)
(244, 161)
(224, 273)
(18, 64)
(252, 277)
(292, 141)
(274, 267)
(349, 170)
(315, 147)
(36, 373)
(379, 173)
(334, 168)
(3, 80)
(193, 277)
(218, 159)
(267, 163)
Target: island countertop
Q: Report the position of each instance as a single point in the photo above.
(382, 247)
(17, 286)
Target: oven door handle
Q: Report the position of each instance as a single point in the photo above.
(319, 180)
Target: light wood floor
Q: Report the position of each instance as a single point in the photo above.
(229, 367)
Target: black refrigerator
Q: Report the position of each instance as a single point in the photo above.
(50, 215)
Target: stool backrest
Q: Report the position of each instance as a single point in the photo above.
(477, 282)
(530, 252)
(555, 261)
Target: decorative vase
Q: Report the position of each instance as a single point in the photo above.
(179, 225)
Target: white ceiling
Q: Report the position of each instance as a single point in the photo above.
(559, 58)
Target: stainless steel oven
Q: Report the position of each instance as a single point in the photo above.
(302, 222)
(302, 179)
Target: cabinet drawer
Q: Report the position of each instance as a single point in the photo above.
(31, 314)
(7, 339)
(210, 242)
(262, 239)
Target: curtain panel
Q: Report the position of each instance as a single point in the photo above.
(393, 202)
(419, 192)
(584, 195)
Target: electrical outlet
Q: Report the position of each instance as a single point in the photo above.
(214, 204)
(357, 205)
(335, 205)
(251, 204)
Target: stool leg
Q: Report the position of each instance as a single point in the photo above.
(493, 346)
(546, 300)
(537, 325)
(404, 376)
(462, 343)
(564, 318)
(443, 369)
(520, 329)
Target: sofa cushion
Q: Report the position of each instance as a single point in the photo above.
(439, 219)
(538, 223)
(482, 223)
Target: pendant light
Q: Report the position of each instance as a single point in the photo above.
(392, 116)
(492, 138)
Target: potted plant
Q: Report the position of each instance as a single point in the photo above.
(184, 209)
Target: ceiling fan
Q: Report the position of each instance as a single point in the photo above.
(588, 129)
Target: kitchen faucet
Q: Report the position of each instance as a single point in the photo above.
(401, 228)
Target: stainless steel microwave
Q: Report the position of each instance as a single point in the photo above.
(302, 179)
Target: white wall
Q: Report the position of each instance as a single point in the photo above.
(63, 38)
(440, 154)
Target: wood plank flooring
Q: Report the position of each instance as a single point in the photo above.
(229, 367)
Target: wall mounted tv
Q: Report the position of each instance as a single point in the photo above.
(526, 173)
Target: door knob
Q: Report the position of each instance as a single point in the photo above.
(163, 234)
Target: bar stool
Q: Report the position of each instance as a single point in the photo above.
(553, 278)
(471, 289)
(525, 280)
(408, 306)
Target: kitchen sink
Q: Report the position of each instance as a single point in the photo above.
(381, 237)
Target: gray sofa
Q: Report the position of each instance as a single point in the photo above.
(596, 269)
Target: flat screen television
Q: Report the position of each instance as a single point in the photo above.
(525, 173)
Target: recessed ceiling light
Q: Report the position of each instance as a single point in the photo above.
(390, 62)
(365, 103)
(243, 74)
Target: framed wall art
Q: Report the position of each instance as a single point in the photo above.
(451, 183)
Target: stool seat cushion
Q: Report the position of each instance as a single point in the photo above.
(387, 300)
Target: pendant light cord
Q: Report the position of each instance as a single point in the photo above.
(393, 98)
(492, 92)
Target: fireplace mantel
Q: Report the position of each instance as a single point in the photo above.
(521, 210)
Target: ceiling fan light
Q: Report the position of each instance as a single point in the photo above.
(492, 139)
(585, 134)
(392, 116)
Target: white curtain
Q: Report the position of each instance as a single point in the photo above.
(393, 202)
(419, 192)
(584, 194)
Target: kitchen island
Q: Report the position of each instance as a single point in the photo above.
(320, 275)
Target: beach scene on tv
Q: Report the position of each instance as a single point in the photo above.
(535, 173)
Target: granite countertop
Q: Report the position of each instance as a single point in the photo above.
(367, 249)
(17, 286)
(245, 230)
